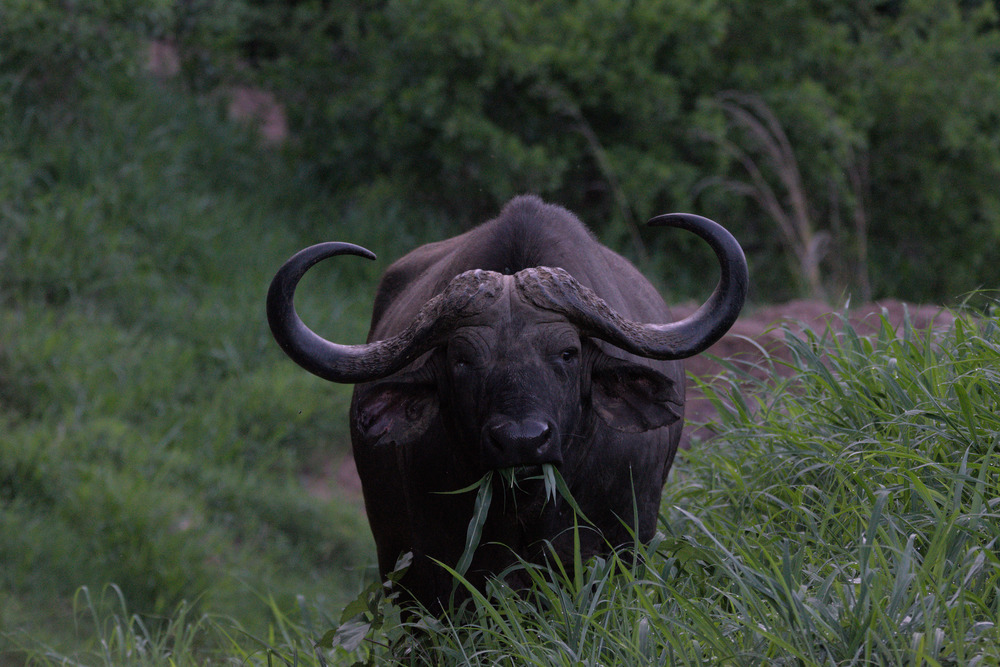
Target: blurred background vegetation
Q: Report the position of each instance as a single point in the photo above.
(153, 436)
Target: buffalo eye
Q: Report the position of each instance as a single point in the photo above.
(461, 356)
(462, 361)
(569, 354)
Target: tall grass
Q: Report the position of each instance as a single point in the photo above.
(849, 514)
(846, 514)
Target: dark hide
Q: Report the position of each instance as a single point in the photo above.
(514, 386)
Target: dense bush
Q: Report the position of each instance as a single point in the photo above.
(618, 110)
(863, 162)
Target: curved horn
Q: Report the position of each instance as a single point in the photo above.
(466, 294)
(554, 289)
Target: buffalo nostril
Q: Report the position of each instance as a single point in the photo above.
(515, 443)
(522, 436)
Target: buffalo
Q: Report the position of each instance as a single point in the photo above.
(520, 343)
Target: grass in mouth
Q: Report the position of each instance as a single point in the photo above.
(554, 484)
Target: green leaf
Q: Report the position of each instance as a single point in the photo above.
(350, 635)
(568, 495)
(475, 530)
(551, 486)
(362, 603)
(402, 566)
(465, 489)
(326, 641)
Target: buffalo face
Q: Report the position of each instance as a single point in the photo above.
(517, 386)
(512, 381)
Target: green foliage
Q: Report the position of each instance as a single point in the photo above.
(847, 513)
(612, 109)
(459, 106)
(441, 110)
(129, 639)
(152, 435)
(890, 109)
(944, 113)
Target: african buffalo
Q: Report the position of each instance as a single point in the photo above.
(519, 343)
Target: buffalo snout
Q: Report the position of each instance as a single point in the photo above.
(510, 443)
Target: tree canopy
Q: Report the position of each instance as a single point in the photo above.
(854, 147)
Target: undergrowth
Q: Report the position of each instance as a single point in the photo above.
(848, 512)
(151, 433)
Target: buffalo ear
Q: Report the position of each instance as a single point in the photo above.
(399, 410)
(633, 398)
